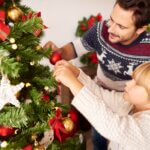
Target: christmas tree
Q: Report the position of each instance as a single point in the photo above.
(30, 117)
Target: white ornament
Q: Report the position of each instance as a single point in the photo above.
(4, 144)
(8, 92)
(14, 46)
(48, 138)
(12, 40)
(32, 63)
(46, 88)
(11, 24)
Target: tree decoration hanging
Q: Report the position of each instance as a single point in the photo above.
(8, 92)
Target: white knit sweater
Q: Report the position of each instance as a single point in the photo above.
(108, 112)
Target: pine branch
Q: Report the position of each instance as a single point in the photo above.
(35, 96)
(50, 82)
(20, 140)
(28, 26)
(10, 67)
(42, 71)
(25, 8)
(29, 55)
(28, 40)
(14, 117)
(46, 52)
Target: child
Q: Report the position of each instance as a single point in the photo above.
(122, 118)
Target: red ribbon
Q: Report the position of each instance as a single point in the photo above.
(57, 125)
(4, 29)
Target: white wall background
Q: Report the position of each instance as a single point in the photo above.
(61, 16)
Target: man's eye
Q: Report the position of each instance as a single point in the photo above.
(121, 27)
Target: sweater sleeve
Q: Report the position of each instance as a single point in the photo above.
(124, 130)
(118, 105)
(87, 43)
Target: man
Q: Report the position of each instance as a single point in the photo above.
(121, 43)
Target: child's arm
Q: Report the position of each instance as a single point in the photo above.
(114, 103)
(125, 130)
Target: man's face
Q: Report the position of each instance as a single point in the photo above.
(121, 26)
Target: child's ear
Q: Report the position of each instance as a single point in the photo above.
(141, 30)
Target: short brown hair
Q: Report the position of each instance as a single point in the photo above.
(142, 76)
(141, 10)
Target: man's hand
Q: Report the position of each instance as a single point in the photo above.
(67, 51)
(51, 45)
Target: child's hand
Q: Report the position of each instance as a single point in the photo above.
(64, 75)
(74, 69)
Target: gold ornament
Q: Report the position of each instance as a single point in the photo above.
(14, 13)
(12, 40)
(68, 124)
(16, 131)
(32, 63)
(18, 58)
(14, 46)
(34, 137)
(27, 84)
(40, 147)
(46, 88)
(39, 47)
(4, 144)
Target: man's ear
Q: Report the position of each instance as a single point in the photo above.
(141, 30)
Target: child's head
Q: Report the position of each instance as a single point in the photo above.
(142, 76)
(137, 91)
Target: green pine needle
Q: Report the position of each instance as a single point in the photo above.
(14, 117)
(10, 67)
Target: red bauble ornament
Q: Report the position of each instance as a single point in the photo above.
(6, 131)
(28, 147)
(55, 57)
(73, 115)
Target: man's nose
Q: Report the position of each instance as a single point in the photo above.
(111, 28)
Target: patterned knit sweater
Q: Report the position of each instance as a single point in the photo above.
(108, 112)
(116, 61)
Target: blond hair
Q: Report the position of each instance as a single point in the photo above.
(142, 76)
